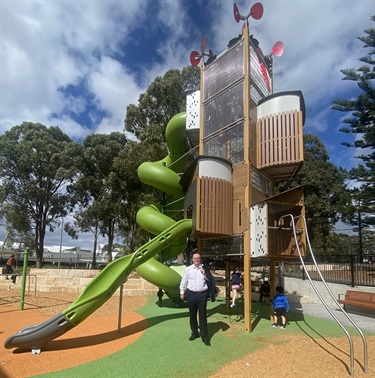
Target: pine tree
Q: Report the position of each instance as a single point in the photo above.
(361, 122)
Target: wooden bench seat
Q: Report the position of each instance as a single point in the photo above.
(358, 298)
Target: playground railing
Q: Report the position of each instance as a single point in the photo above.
(347, 270)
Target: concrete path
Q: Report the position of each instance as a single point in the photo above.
(364, 322)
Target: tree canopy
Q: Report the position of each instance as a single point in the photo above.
(99, 203)
(37, 167)
(361, 123)
(164, 98)
(325, 191)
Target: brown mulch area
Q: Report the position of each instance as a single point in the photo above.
(300, 356)
(286, 355)
(94, 338)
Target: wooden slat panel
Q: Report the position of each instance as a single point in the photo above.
(212, 224)
(286, 133)
(299, 135)
(228, 208)
(271, 148)
(292, 138)
(240, 180)
(264, 134)
(282, 242)
(279, 139)
(203, 203)
(216, 206)
(206, 203)
(266, 141)
(199, 209)
(224, 205)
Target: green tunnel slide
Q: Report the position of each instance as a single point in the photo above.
(169, 241)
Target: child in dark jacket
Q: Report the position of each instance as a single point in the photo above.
(280, 306)
(236, 285)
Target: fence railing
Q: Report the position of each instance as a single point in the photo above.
(352, 270)
(347, 270)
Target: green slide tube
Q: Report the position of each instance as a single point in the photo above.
(170, 240)
(164, 176)
(96, 293)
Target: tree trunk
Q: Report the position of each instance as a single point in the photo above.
(39, 258)
(39, 255)
(39, 244)
(111, 236)
(110, 248)
(360, 237)
(95, 246)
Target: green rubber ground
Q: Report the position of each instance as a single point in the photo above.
(164, 349)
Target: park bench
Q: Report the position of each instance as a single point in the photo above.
(358, 298)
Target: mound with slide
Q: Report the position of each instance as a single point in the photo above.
(169, 241)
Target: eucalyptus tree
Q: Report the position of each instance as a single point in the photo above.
(98, 208)
(131, 194)
(164, 98)
(38, 165)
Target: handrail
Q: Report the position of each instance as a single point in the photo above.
(335, 300)
(20, 275)
(317, 292)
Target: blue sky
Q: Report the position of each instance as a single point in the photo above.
(78, 64)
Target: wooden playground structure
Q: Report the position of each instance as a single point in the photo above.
(248, 139)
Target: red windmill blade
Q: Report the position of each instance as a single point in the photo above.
(195, 56)
(236, 13)
(203, 44)
(256, 12)
(278, 49)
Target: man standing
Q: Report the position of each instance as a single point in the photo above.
(196, 281)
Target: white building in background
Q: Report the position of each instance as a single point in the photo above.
(76, 253)
(102, 255)
(53, 251)
(99, 250)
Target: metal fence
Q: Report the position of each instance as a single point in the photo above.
(350, 270)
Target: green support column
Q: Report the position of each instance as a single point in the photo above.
(24, 270)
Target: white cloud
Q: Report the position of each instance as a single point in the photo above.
(51, 45)
(68, 126)
(48, 47)
(113, 87)
(320, 39)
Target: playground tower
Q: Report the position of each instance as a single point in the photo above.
(249, 138)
